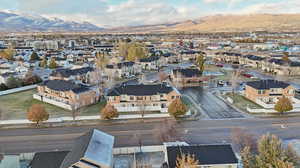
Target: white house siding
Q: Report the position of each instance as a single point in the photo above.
(51, 101)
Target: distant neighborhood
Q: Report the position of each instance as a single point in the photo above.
(127, 98)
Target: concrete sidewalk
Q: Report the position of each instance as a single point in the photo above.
(83, 118)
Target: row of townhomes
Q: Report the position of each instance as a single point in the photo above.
(266, 93)
(186, 77)
(70, 88)
(275, 65)
(142, 97)
(95, 149)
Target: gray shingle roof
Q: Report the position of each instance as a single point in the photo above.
(189, 72)
(267, 84)
(96, 146)
(48, 159)
(140, 90)
(62, 85)
(205, 154)
(72, 72)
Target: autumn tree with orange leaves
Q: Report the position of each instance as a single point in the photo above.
(37, 113)
(109, 112)
(177, 108)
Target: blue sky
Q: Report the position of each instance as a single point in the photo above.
(112, 13)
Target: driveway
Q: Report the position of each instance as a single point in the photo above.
(212, 106)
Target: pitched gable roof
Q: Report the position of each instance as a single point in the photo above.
(205, 154)
(140, 90)
(267, 84)
(62, 85)
(71, 72)
(95, 146)
(188, 72)
(48, 159)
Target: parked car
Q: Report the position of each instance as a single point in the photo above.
(247, 75)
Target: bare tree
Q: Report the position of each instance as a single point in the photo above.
(1, 114)
(166, 131)
(162, 76)
(240, 138)
(100, 62)
(142, 104)
(75, 113)
(235, 78)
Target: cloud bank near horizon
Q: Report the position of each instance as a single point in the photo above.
(114, 13)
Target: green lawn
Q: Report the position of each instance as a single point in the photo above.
(241, 102)
(14, 106)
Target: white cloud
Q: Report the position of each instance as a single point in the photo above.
(141, 12)
(287, 6)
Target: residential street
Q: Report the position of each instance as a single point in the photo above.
(195, 132)
(211, 105)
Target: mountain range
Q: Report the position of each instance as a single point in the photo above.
(227, 23)
(13, 22)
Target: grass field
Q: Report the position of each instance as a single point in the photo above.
(14, 106)
(241, 102)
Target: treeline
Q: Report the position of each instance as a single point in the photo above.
(249, 40)
(132, 51)
(14, 82)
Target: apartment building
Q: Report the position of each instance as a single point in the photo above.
(186, 77)
(66, 94)
(141, 97)
(85, 75)
(268, 91)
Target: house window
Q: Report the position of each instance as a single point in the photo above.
(261, 91)
(140, 98)
(173, 97)
(131, 98)
(291, 91)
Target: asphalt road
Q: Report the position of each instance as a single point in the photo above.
(14, 141)
(212, 106)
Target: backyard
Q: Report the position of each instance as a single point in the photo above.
(14, 106)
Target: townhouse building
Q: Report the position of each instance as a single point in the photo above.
(266, 92)
(141, 97)
(280, 67)
(66, 94)
(186, 77)
(85, 75)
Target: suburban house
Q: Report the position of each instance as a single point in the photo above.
(85, 75)
(186, 77)
(208, 156)
(267, 92)
(140, 97)
(149, 63)
(92, 150)
(280, 67)
(66, 94)
(190, 55)
(252, 61)
(228, 57)
(123, 69)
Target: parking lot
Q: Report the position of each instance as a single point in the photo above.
(212, 106)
